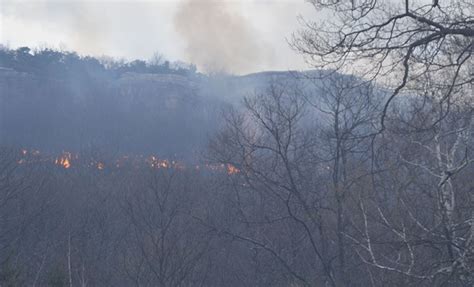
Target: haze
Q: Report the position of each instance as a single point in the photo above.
(184, 143)
(239, 36)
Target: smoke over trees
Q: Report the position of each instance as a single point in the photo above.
(218, 38)
(149, 173)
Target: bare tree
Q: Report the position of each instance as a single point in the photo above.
(348, 109)
(164, 245)
(23, 204)
(422, 231)
(304, 164)
(386, 40)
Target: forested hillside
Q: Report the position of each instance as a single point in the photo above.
(358, 172)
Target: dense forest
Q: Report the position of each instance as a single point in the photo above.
(150, 173)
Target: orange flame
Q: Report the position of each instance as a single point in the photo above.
(64, 160)
(65, 163)
(159, 163)
(232, 169)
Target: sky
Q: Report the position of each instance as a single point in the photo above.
(235, 36)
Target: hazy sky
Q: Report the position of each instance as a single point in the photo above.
(239, 36)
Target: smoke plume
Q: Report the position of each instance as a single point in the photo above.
(218, 38)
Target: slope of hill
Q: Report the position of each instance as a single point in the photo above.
(167, 114)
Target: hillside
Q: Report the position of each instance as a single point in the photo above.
(55, 106)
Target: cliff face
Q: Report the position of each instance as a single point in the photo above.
(167, 114)
(133, 113)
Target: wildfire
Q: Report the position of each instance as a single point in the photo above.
(227, 168)
(65, 163)
(64, 160)
(158, 163)
(232, 169)
(163, 163)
